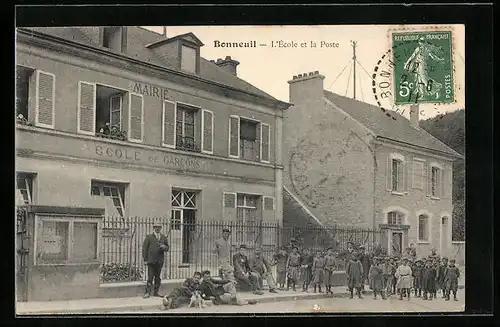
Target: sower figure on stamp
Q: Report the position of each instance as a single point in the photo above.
(223, 251)
(279, 260)
(306, 263)
(261, 268)
(293, 268)
(153, 252)
(450, 280)
(354, 271)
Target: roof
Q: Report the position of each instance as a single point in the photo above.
(138, 40)
(399, 129)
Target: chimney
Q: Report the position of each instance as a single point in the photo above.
(228, 64)
(414, 115)
(306, 86)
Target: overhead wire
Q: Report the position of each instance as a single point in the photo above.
(348, 80)
(336, 78)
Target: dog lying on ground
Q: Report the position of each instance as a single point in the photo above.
(197, 301)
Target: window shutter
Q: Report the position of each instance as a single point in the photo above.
(229, 200)
(115, 111)
(258, 141)
(208, 130)
(135, 117)
(234, 136)
(406, 173)
(442, 178)
(401, 176)
(428, 179)
(268, 203)
(169, 117)
(86, 108)
(45, 99)
(388, 174)
(264, 142)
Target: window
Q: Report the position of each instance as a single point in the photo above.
(185, 128)
(249, 141)
(24, 91)
(397, 175)
(423, 228)
(418, 174)
(188, 59)
(436, 181)
(60, 240)
(113, 195)
(395, 218)
(247, 218)
(109, 112)
(113, 38)
(24, 188)
(183, 219)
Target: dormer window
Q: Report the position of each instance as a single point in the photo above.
(114, 38)
(188, 59)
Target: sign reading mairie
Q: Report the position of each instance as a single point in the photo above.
(149, 90)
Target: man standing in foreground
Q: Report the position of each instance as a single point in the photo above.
(153, 252)
(223, 251)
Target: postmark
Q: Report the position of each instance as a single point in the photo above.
(395, 88)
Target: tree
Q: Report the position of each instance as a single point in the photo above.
(449, 128)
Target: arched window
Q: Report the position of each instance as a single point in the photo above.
(395, 218)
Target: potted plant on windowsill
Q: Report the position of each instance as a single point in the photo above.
(112, 132)
(20, 119)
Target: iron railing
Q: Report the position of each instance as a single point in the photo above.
(192, 245)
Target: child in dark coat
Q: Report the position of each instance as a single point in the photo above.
(376, 278)
(417, 277)
(435, 264)
(318, 270)
(451, 276)
(440, 276)
(354, 270)
(280, 259)
(428, 280)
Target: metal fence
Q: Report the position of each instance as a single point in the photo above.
(192, 244)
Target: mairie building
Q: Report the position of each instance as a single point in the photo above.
(140, 124)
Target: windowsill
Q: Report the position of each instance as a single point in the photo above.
(423, 242)
(398, 193)
(435, 198)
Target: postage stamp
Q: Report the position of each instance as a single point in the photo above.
(423, 67)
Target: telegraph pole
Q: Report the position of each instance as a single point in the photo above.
(354, 43)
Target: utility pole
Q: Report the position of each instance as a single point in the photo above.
(354, 43)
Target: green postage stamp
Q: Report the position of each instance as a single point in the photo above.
(423, 67)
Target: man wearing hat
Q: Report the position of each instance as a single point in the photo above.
(366, 262)
(153, 252)
(451, 276)
(223, 251)
(243, 273)
(403, 274)
(262, 269)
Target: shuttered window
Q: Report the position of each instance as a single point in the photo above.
(396, 174)
(268, 203)
(86, 108)
(207, 135)
(136, 118)
(418, 174)
(234, 136)
(229, 200)
(436, 182)
(45, 99)
(169, 120)
(264, 143)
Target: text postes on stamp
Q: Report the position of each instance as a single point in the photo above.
(423, 67)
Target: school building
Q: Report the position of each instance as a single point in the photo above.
(138, 123)
(348, 163)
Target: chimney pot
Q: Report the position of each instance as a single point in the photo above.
(228, 57)
(316, 72)
(294, 77)
(299, 76)
(414, 115)
(228, 64)
(310, 73)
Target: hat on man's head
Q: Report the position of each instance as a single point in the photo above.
(226, 230)
(243, 246)
(157, 223)
(205, 272)
(444, 258)
(258, 250)
(452, 261)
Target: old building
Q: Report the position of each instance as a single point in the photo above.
(351, 164)
(129, 120)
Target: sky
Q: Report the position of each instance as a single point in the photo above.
(269, 68)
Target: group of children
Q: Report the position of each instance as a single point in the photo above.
(386, 276)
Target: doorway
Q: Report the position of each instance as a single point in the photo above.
(396, 244)
(184, 223)
(444, 237)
